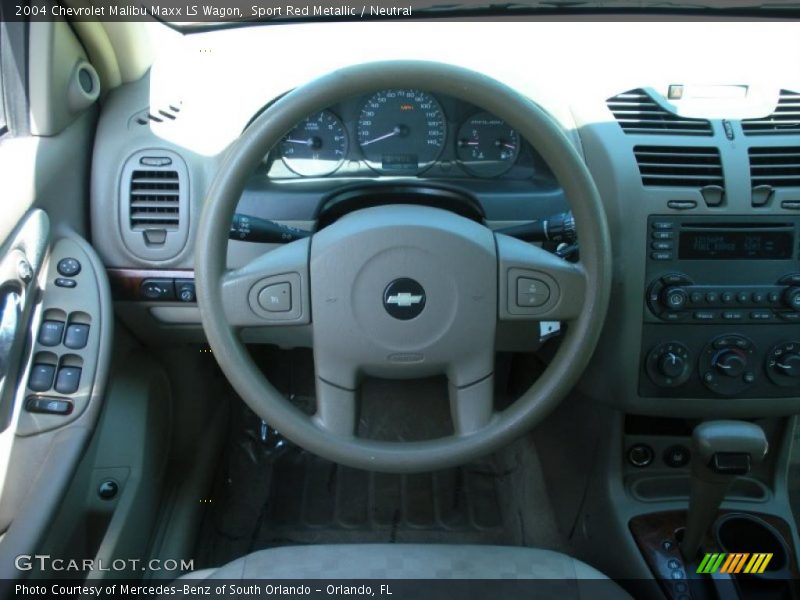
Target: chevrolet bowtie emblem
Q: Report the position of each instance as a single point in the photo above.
(404, 299)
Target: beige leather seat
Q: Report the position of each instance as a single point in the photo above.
(567, 577)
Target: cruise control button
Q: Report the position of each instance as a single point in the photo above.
(68, 380)
(532, 292)
(77, 336)
(52, 406)
(68, 267)
(276, 297)
(41, 377)
(50, 333)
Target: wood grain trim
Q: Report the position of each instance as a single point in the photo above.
(125, 283)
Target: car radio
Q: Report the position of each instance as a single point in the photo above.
(721, 293)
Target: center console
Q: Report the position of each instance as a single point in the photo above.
(722, 315)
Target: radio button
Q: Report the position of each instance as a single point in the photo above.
(704, 315)
(674, 298)
(661, 245)
(696, 297)
(773, 297)
(732, 315)
(675, 279)
(792, 298)
(712, 297)
(791, 279)
(661, 255)
(789, 316)
(662, 225)
(663, 235)
(743, 297)
(761, 315)
(758, 297)
(726, 297)
(676, 316)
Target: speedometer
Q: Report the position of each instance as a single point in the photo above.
(401, 131)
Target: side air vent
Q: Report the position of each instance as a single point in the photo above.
(775, 167)
(677, 166)
(162, 114)
(153, 200)
(637, 112)
(785, 119)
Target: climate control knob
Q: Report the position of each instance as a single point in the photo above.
(668, 364)
(783, 364)
(671, 365)
(730, 363)
(674, 298)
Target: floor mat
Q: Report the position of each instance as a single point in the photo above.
(273, 493)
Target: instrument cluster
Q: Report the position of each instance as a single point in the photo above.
(403, 132)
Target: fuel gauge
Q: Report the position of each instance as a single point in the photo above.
(486, 146)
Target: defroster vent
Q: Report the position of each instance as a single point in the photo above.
(637, 112)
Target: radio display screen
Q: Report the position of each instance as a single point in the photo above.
(741, 245)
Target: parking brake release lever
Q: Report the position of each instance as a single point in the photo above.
(721, 450)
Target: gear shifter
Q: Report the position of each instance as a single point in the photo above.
(721, 450)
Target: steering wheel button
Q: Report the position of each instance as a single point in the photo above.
(532, 292)
(276, 297)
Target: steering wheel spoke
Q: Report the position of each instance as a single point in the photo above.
(271, 289)
(537, 285)
(337, 408)
(471, 406)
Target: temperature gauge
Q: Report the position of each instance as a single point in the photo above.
(486, 146)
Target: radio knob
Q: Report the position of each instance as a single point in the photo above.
(729, 363)
(789, 365)
(675, 298)
(672, 366)
(792, 298)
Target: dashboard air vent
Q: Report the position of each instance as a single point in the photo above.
(153, 204)
(678, 166)
(637, 112)
(785, 119)
(775, 167)
(154, 200)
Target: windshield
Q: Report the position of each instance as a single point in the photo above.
(227, 14)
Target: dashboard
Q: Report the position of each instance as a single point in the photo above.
(698, 183)
(401, 133)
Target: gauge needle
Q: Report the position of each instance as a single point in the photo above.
(392, 133)
(304, 142)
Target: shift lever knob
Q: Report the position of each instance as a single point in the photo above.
(721, 450)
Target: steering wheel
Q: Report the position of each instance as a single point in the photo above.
(403, 291)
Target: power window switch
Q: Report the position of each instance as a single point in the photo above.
(41, 377)
(77, 336)
(68, 380)
(50, 406)
(50, 333)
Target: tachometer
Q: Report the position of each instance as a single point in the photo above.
(401, 131)
(316, 146)
(486, 146)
